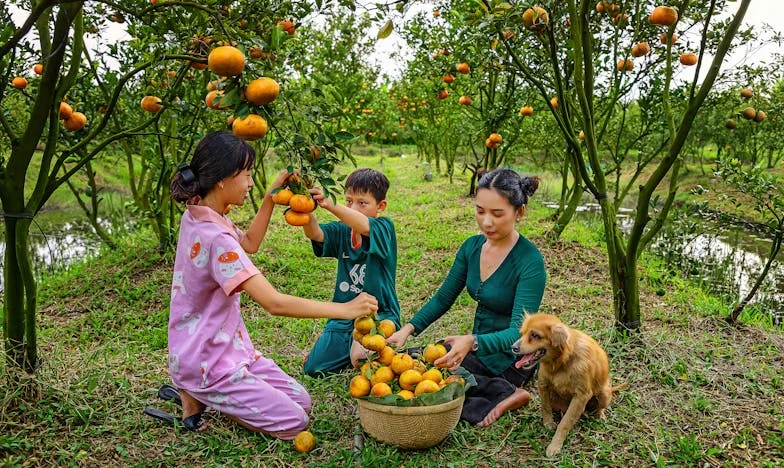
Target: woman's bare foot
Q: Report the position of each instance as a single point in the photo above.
(192, 407)
(518, 399)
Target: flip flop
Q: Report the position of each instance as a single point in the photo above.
(191, 423)
(169, 393)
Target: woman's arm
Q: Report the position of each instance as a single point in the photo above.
(440, 303)
(285, 305)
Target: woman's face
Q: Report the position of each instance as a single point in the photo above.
(495, 216)
(236, 188)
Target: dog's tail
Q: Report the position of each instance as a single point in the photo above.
(619, 387)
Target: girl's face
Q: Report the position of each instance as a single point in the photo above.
(236, 188)
(495, 216)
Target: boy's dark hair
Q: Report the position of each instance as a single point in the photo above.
(217, 156)
(366, 180)
(510, 185)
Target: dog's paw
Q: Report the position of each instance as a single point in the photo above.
(549, 423)
(553, 449)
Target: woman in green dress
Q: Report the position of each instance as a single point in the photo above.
(505, 273)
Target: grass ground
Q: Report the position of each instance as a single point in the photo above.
(700, 392)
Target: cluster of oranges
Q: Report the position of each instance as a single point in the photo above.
(227, 61)
(72, 121)
(389, 372)
(295, 195)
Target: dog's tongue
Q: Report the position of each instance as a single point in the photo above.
(524, 360)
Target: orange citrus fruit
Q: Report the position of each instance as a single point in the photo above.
(262, 91)
(406, 394)
(151, 104)
(433, 374)
(304, 442)
(386, 355)
(409, 379)
(226, 61)
(434, 351)
(426, 386)
(364, 324)
(380, 389)
(401, 363)
(386, 327)
(76, 121)
(295, 218)
(251, 127)
(282, 197)
(302, 203)
(359, 386)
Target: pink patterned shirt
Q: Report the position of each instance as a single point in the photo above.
(208, 340)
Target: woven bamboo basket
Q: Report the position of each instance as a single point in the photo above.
(410, 427)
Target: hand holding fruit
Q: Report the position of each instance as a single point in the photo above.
(460, 347)
(363, 304)
(281, 180)
(322, 200)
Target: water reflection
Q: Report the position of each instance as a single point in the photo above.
(726, 260)
(55, 246)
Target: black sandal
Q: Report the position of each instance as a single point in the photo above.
(191, 423)
(170, 393)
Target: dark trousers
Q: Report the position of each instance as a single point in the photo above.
(490, 389)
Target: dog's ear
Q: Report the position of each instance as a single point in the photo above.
(559, 335)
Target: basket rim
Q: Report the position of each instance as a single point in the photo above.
(411, 410)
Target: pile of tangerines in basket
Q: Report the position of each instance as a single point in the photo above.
(387, 372)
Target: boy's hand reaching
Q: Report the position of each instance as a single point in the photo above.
(322, 200)
(363, 304)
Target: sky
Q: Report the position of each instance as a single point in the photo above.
(759, 12)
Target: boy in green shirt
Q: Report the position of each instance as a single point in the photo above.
(366, 249)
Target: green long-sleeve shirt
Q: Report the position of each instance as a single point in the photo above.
(516, 287)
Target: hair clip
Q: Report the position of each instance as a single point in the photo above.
(186, 172)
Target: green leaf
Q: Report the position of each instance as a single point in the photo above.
(385, 30)
(345, 136)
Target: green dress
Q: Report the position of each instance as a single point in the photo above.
(516, 287)
(368, 266)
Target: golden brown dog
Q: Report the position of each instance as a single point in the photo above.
(573, 372)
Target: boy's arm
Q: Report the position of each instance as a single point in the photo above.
(352, 218)
(251, 239)
(313, 230)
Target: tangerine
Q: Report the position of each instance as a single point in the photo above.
(426, 386)
(282, 196)
(151, 104)
(226, 61)
(262, 91)
(252, 127)
(76, 121)
(359, 386)
(302, 203)
(304, 442)
(295, 218)
(380, 389)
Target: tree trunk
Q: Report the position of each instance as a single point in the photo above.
(774, 250)
(19, 295)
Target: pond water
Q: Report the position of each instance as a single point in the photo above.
(726, 260)
(55, 244)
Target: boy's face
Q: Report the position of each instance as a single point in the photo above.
(365, 203)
